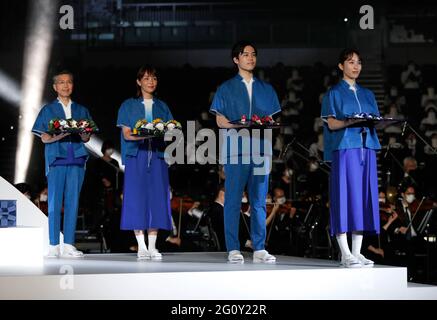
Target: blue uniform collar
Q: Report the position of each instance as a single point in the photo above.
(240, 78)
(59, 102)
(347, 86)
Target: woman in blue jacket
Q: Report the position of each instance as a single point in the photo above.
(146, 195)
(351, 145)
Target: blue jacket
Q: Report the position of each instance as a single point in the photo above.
(59, 149)
(339, 102)
(132, 110)
(232, 101)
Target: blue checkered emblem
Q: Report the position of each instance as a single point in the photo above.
(8, 213)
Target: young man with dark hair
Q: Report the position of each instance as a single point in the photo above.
(245, 95)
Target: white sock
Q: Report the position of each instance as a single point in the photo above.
(152, 242)
(357, 240)
(141, 243)
(342, 243)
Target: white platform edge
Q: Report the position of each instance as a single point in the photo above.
(327, 284)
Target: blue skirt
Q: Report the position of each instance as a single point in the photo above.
(146, 193)
(353, 190)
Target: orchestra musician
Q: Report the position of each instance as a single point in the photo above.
(378, 247)
(279, 223)
(405, 230)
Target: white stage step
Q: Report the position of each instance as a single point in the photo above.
(205, 276)
(21, 246)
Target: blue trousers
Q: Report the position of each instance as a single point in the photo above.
(64, 184)
(237, 176)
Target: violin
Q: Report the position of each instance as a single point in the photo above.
(419, 205)
(283, 208)
(182, 204)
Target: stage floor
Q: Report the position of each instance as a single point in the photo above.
(205, 276)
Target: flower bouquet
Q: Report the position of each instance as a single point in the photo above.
(58, 126)
(156, 128)
(265, 122)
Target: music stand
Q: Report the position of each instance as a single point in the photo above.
(423, 226)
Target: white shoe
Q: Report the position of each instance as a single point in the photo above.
(365, 263)
(71, 252)
(350, 261)
(155, 255)
(235, 256)
(54, 251)
(143, 254)
(262, 256)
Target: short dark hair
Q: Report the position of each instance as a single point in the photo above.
(62, 72)
(107, 144)
(403, 188)
(141, 72)
(348, 53)
(238, 48)
(23, 187)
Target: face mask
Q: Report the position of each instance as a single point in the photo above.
(314, 167)
(244, 200)
(109, 151)
(281, 200)
(43, 198)
(382, 200)
(410, 198)
(269, 200)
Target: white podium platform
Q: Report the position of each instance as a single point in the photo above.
(28, 214)
(21, 246)
(206, 276)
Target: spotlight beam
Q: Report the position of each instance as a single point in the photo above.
(37, 50)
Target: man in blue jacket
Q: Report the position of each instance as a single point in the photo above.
(65, 158)
(245, 95)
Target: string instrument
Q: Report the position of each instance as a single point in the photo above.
(184, 203)
(181, 205)
(424, 205)
(283, 208)
(178, 203)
